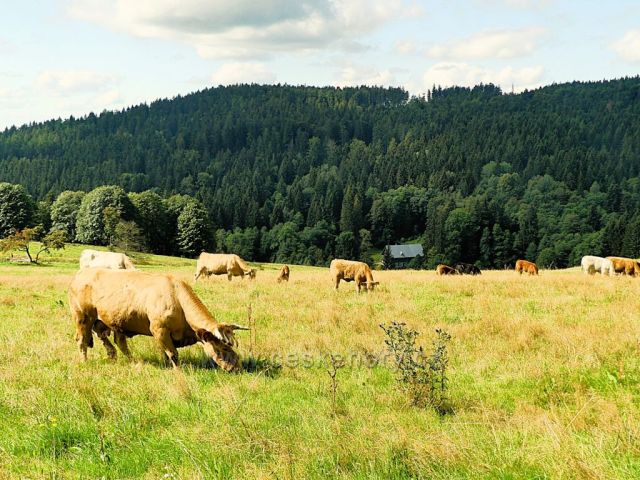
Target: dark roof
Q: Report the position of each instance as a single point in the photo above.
(405, 251)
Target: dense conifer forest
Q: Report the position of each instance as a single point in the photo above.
(303, 174)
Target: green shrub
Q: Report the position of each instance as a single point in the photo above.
(423, 377)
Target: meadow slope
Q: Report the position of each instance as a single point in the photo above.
(544, 381)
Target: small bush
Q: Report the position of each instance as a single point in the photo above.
(423, 377)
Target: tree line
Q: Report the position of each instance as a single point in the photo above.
(305, 174)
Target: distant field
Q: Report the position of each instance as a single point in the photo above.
(544, 381)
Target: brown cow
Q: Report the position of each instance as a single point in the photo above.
(133, 303)
(443, 269)
(526, 266)
(228, 264)
(351, 271)
(626, 266)
(283, 276)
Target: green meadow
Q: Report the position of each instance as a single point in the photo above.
(543, 381)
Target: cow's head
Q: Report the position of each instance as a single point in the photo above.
(252, 273)
(218, 345)
(371, 285)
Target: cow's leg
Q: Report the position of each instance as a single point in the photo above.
(163, 337)
(84, 336)
(229, 276)
(103, 332)
(121, 341)
(337, 282)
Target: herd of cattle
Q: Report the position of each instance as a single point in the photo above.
(589, 263)
(610, 265)
(109, 296)
(522, 266)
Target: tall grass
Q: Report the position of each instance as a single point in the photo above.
(543, 378)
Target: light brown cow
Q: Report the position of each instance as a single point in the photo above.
(443, 269)
(138, 303)
(98, 259)
(283, 276)
(351, 271)
(527, 267)
(626, 266)
(228, 264)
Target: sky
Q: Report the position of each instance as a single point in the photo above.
(72, 57)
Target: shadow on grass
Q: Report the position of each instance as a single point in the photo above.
(264, 366)
(26, 263)
(251, 365)
(197, 362)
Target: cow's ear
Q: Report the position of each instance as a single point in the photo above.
(204, 335)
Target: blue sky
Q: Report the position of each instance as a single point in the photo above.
(71, 57)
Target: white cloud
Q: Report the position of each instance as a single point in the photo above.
(68, 82)
(5, 96)
(352, 75)
(405, 47)
(246, 28)
(519, 4)
(490, 44)
(448, 74)
(5, 46)
(109, 100)
(247, 72)
(628, 47)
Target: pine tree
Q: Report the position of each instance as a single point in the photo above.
(347, 222)
(387, 260)
(365, 246)
(346, 246)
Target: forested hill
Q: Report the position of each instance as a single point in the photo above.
(302, 174)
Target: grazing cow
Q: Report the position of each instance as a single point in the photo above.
(467, 269)
(350, 271)
(283, 276)
(526, 266)
(626, 266)
(133, 303)
(443, 269)
(591, 264)
(228, 264)
(97, 259)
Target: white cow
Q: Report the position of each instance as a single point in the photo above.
(591, 265)
(95, 258)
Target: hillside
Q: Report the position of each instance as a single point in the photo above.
(305, 173)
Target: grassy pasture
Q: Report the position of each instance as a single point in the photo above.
(544, 380)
